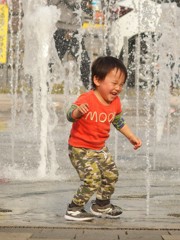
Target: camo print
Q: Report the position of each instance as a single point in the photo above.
(118, 122)
(98, 172)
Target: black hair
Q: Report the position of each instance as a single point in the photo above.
(103, 65)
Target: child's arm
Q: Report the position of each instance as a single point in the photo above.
(76, 112)
(126, 131)
(120, 124)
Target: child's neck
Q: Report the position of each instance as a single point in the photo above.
(100, 98)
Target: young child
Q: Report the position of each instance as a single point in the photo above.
(91, 114)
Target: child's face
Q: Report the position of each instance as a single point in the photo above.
(110, 87)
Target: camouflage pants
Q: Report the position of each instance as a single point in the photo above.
(98, 172)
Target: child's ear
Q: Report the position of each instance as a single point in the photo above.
(96, 81)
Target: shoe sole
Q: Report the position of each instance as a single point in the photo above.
(85, 219)
(104, 215)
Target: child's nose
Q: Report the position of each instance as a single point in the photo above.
(118, 88)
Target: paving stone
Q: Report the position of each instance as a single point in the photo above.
(173, 232)
(57, 233)
(14, 236)
(170, 237)
(49, 239)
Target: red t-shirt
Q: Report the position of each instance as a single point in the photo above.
(92, 129)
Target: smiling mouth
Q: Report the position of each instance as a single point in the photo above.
(114, 94)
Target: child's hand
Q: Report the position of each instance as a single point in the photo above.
(136, 142)
(80, 111)
(83, 108)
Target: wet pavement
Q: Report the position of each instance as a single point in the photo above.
(85, 234)
(35, 210)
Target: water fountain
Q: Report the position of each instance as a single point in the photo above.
(34, 146)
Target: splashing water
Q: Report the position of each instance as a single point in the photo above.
(40, 131)
(39, 50)
(168, 62)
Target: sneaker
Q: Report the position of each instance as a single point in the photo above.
(107, 211)
(78, 214)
